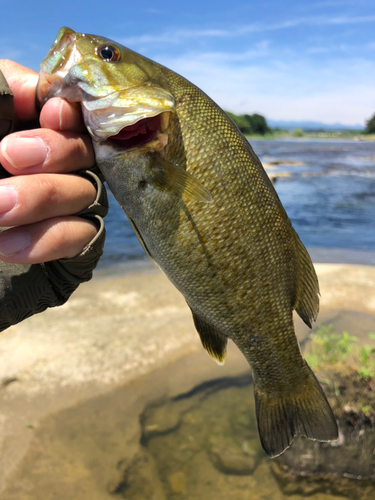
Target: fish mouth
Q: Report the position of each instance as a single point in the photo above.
(151, 131)
(134, 116)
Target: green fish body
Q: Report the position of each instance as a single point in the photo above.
(204, 209)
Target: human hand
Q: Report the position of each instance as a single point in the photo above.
(42, 195)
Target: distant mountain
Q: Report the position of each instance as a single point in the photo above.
(310, 125)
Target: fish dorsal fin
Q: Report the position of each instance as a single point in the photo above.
(173, 179)
(214, 343)
(307, 296)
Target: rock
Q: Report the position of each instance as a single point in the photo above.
(177, 482)
(329, 483)
(232, 461)
(342, 467)
(140, 480)
(159, 419)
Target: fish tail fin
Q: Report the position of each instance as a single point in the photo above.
(306, 412)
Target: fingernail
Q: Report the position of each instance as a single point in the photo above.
(12, 242)
(24, 152)
(8, 198)
(61, 114)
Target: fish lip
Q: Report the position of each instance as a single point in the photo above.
(48, 86)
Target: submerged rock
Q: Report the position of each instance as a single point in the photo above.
(140, 480)
(177, 482)
(233, 461)
(158, 419)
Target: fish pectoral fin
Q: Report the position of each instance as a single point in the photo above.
(172, 179)
(214, 343)
(140, 239)
(305, 411)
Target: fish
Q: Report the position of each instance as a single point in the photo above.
(206, 212)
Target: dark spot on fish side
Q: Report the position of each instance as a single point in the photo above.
(142, 184)
(138, 134)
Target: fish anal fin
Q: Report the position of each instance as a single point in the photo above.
(307, 293)
(214, 343)
(305, 413)
(170, 178)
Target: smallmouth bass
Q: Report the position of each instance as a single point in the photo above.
(204, 209)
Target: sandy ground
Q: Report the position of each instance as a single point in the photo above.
(118, 329)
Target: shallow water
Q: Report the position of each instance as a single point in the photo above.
(329, 197)
(172, 434)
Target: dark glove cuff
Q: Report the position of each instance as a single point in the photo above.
(26, 290)
(100, 205)
(80, 268)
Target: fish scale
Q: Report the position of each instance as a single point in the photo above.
(204, 209)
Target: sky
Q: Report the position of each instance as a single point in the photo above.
(289, 60)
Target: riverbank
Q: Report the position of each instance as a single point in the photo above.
(116, 331)
(352, 135)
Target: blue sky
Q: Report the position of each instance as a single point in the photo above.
(289, 60)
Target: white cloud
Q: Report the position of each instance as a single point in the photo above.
(176, 36)
(179, 36)
(333, 91)
(260, 49)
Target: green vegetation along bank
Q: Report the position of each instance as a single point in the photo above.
(256, 127)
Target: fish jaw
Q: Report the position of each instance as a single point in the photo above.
(62, 56)
(111, 100)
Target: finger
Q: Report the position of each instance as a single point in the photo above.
(22, 82)
(58, 114)
(52, 239)
(30, 199)
(43, 150)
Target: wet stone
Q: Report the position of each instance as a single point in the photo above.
(140, 480)
(159, 420)
(177, 482)
(232, 461)
(342, 467)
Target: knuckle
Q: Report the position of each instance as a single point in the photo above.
(70, 152)
(50, 193)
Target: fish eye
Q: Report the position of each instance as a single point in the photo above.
(108, 53)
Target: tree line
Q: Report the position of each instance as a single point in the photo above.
(370, 126)
(257, 125)
(250, 124)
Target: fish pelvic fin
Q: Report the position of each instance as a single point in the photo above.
(214, 342)
(307, 296)
(306, 413)
(170, 178)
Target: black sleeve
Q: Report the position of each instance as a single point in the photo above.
(29, 289)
